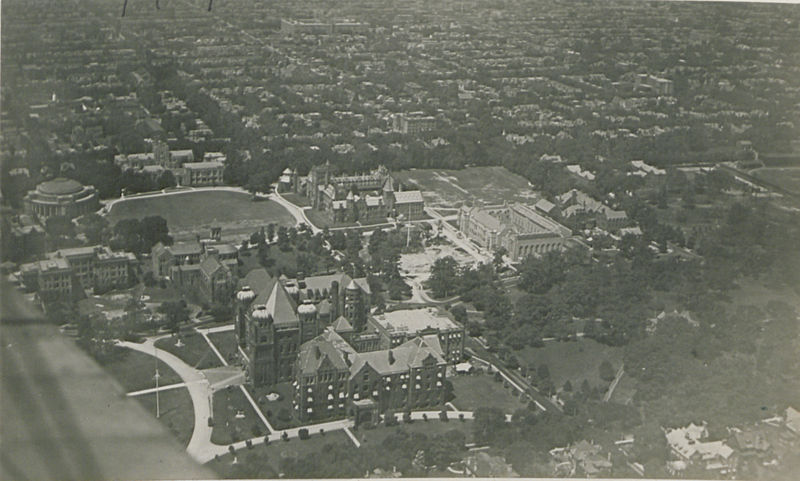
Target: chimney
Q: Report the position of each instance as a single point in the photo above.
(391, 357)
(317, 352)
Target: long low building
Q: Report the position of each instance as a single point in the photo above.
(397, 327)
(516, 227)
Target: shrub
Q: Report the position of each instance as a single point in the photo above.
(266, 440)
(249, 444)
(424, 417)
(461, 417)
(231, 449)
(407, 417)
(321, 432)
(285, 436)
(303, 434)
(443, 415)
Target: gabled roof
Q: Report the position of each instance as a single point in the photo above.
(281, 306)
(210, 265)
(342, 325)
(408, 197)
(259, 281)
(326, 351)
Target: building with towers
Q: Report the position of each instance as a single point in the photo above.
(364, 198)
(318, 333)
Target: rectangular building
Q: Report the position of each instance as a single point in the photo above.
(438, 327)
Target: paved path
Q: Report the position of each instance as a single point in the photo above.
(614, 383)
(199, 391)
(352, 437)
(159, 389)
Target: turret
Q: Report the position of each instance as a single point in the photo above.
(335, 303)
(353, 306)
(307, 313)
(243, 299)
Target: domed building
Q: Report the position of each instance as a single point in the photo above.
(61, 196)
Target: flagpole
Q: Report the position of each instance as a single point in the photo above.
(158, 406)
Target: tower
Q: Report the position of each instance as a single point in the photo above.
(243, 299)
(261, 347)
(353, 306)
(309, 327)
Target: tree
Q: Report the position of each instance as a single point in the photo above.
(444, 274)
(270, 231)
(459, 313)
(154, 230)
(606, 371)
(94, 227)
(543, 372)
(489, 423)
(176, 312)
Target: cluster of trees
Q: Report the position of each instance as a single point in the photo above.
(299, 251)
(139, 236)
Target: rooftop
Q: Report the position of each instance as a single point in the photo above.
(415, 320)
(60, 186)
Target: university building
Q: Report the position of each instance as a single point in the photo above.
(365, 198)
(61, 197)
(317, 333)
(65, 271)
(205, 270)
(520, 229)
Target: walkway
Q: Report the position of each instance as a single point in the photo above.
(199, 391)
(614, 383)
(159, 389)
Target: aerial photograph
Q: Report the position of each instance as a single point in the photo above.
(263, 239)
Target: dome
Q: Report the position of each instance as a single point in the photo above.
(60, 186)
(261, 313)
(307, 309)
(246, 294)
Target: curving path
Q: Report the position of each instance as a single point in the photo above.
(199, 391)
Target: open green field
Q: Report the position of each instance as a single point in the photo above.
(225, 342)
(135, 370)
(188, 213)
(195, 351)
(279, 413)
(481, 390)
(177, 412)
(785, 177)
(576, 361)
(263, 462)
(432, 427)
(228, 428)
(451, 188)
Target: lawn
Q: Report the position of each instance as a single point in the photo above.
(134, 370)
(228, 428)
(225, 342)
(195, 351)
(177, 412)
(576, 361)
(196, 212)
(785, 177)
(451, 188)
(297, 199)
(263, 462)
(279, 413)
(481, 390)
(431, 427)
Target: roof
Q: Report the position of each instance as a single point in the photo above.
(210, 265)
(185, 249)
(342, 325)
(408, 197)
(411, 321)
(60, 186)
(203, 165)
(488, 220)
(411, 354)
(544, 205)
(259, 280)
(320, 354)
(281, 306)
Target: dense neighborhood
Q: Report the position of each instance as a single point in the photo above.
(448, 239)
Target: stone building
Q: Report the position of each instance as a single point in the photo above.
(520, 229)
(317, 335)
(66, 270)
(62, 197)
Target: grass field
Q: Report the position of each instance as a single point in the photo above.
(272, 409)
(228, 428)
(196, 212)
(451, 188)
(481, 390)
(785, 177)
(431, 427)
(575, 361)
(195, 351)
(263, 462)
(177, 412)
(225, 343)
(134, 370)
